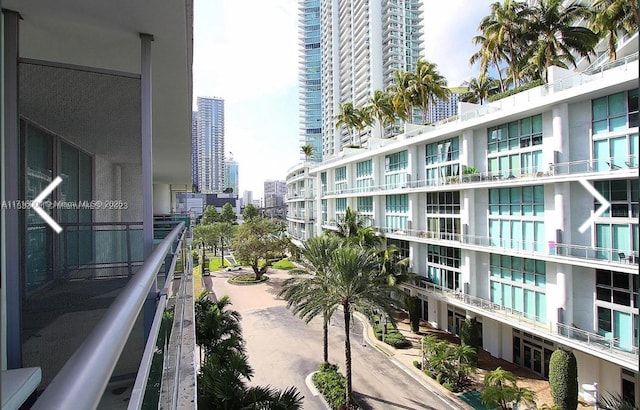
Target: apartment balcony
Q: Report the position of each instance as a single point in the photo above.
(623, 260)
(596, 169)
(589, 342)
(127, 320)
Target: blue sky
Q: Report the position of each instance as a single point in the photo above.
(246, 52)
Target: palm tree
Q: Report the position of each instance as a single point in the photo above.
(428, 84)
(611, 401)
(223, 231)
(349, 225)
(307, 150)
(401, 95)
(350, 117)
(381, 108)
(480, 89)
(614, 17)
(559, 39)
(490, 53)
(355, 283)
(501, 388)
(505, 26)
(300, 291)
(218, 329)
(222, 384)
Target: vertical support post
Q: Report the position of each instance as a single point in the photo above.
(129, 267)
(147, 171)
(147, 143)
(10, 185)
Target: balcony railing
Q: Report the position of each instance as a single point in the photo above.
(83, 379)
(623, 166)
(524, 321)
(525, 248)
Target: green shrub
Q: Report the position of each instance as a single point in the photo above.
(417, 364)
(414, 313)
(331, 384)
(428, 373)
(563, 379)
(448, 386)
(396, 340)
(195, 256)
(499, 96)
(470, 335)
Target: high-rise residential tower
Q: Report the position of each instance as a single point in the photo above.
(210, 140)
(194, 151)
(231, 175)
(362, 44)
(310, 94)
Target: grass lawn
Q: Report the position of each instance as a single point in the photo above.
(284, 264)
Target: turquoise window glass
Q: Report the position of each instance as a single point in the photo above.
(529, 304)
(623, 329)
(599, 109)
(506, 296)
(541, 307)
(617, 104)
(518, 302)
(603, 240)
(496, 292)
(621, 237)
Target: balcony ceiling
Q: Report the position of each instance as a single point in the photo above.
(105, 35)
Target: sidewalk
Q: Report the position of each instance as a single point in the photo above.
(403, 359)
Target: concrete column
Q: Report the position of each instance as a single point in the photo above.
(147, 142)
(161, 199)
(10, 248)
(466, 149)
(563, 295)
(559, 140)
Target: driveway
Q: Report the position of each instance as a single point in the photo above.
(283, 350)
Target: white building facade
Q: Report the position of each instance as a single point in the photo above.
(514, 242)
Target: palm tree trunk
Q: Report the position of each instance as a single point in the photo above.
(325, 334)
(347, 353)
(495, 62)
(221, 252)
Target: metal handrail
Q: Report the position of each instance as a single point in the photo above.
(81, 382)
(618, 164)
(529, 248)
(593, 340)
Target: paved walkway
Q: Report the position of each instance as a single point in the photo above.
(283, 351)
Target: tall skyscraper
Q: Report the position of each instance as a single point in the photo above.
(194, 151)
(362, 44)
(231, 176)
(310, 93)
(210, 141)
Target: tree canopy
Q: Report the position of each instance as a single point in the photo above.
(259, 240)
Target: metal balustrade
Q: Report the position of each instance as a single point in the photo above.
(83, 379)
(525, 248)
(525, 321)
(623, 166)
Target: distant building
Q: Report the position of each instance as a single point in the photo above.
(188, 202)
(231, 176)
(247, 198)
(362, 45)
(275, 187)
(210, 142)
(195, 169)
(441, 109)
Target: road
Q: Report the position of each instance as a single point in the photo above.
(283, 351)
